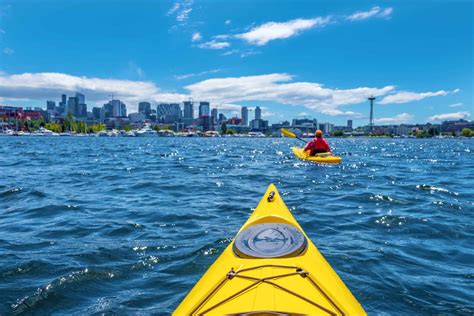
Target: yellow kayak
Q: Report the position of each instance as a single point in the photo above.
(320, 158)
(270, 268)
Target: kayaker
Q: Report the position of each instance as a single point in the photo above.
(317, 145)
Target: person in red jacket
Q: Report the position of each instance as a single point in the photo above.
(317, 145)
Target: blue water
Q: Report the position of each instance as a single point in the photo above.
(128, 225)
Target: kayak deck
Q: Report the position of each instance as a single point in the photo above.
(321, 158)
(296, 284)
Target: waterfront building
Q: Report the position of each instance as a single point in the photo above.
(327, 128)
(204, 109)
(305, 125)
(137, 117)
(234, 121)
(258, 113)
(245, 116)
(258, 125)
(145, 108)
(50, 105)
(168, 113)
(349, 124)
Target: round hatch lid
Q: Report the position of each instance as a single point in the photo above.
(270, 240)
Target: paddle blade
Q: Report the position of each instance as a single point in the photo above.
(287, 133)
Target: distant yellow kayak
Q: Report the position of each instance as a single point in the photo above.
(320, 158)
(270, 268)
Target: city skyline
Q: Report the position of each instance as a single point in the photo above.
(318, 60)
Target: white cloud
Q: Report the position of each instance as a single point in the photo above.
(278, 88)
(449, 116)
(227, 22)
(405, 96)
(181, 10)
(455, 105)
(186, 76)
(196, 37)
(377, 12)
(46, 86)
(8, 51)
(397, 119)
(261, 35)
(214, 45)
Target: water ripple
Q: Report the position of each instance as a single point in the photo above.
(127, 226)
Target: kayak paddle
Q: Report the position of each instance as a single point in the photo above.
(290, 134)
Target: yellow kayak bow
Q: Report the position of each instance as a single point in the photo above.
(270, 268)
(319, 158)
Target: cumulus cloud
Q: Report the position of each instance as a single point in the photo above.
(278, 88)
(262, 34)
(196, 37)
(405, 96)
(397, 119)
(214, 45)
(43, 86)
(449, 116)
(375, 12)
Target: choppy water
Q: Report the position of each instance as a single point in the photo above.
(128, 225)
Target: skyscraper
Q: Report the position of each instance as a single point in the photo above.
(204, 109)
(349, 124)
(214, 116)
(50, 105)
(258, 113)
(245, 116)
(63, 100)
(81, 99)
(168, 113)
(145, 108)
(72, 106)
(115, 108)
(188, 110)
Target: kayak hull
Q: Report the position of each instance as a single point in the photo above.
(321, 158)
(299, 284)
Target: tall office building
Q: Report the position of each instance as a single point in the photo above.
(168, 113)
(245, 116)
(204, 109)
(63, 100)
(349, 124)
(145, 108)
(97, 113)
(72, 105)
(81, 99)
(50, 105)
(188, 110)
(115, 108)
(214, 116)
(258, 113)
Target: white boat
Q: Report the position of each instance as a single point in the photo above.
(146, 131)
(44, 132)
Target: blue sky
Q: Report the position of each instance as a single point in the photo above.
(293, 58)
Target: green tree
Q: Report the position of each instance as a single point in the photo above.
(338, 133)
(466, 132)
(224, 128)
(54, 127)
